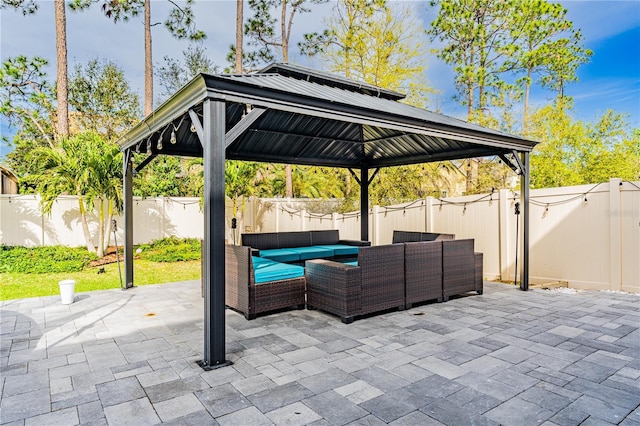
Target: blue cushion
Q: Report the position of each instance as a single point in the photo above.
(280, 255)
(313, 252)
(342, 249)
(354, 263)
(267, 270)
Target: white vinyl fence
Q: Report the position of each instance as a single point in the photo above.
(586, 235)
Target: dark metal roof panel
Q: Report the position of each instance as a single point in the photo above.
(357, 100)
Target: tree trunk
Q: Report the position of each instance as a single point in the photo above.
(148, 64)
(85, 227)
(61, 55)
(101, 225)
(283, 33)
(288, 181)
(239, 29)
(527, 89)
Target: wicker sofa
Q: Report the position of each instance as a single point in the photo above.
(299, 246)
(254, 285)
(375, 284)
(423, 272)
(461, 268)
(414, 236)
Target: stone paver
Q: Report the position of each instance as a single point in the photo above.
(506, 357)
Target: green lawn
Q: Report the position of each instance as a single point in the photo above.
(18, 286)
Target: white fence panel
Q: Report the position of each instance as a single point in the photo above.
(591, 244)
(570, 238)
(473, 216)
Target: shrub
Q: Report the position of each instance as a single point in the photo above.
(171, 249)
(43, 260)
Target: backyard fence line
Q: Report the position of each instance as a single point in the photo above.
(587, 235)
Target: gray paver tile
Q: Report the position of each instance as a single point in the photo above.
(247, 416)
(416, 418)
(221, 400)
(434, 386)
(199, 418)
(335, 409)
(119, 391)
(281, 396)
(451, 414)
(24, 405)
(296, 414)
(517, 411)
(139, 412)
(90, 411)
(178, 407)
(602, 410)
(175, 388)
(68, 416)
(15, 385)
(328, 380)
(393, 405)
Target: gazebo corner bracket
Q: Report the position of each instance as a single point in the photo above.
(243, 125)
(144, 163)
(197, 125)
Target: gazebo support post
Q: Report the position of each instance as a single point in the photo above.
(524, 182)
(127, 171)
(364, 203)
(214, 234)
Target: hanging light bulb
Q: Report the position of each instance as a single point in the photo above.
(193, 128)
(159, 146)
(138, 149)
(173, 139)
(149, 145)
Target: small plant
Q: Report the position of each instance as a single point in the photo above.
(170, 249)
(43, 260)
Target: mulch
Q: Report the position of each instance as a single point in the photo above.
(110, 257)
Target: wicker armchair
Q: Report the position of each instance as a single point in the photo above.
(376, 284)
(423, 272)
(244, 295)
(459, 268)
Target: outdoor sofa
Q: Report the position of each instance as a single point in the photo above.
(254, 285)
(299, 246)
(348, 290)
(414, 236)
(393, 276)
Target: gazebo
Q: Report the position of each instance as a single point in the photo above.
(290, 114)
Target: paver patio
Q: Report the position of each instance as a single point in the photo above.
(506, 357)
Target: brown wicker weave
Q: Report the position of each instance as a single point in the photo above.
(458, 267)
(244, 295)
(423, 272)
(478, 257)
(376, 284)
(414, 236)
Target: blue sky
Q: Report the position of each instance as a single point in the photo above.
(610, 28)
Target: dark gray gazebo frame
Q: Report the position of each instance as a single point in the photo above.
(290, 114)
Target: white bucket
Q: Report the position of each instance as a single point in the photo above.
(66, 291)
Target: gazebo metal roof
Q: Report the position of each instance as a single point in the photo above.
(306, 117)
(290, 114)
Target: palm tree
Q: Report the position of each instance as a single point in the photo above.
(84, 165)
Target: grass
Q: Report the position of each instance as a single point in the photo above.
(18, 286)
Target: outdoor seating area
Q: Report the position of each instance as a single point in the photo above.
(508, 357)
(263, 275)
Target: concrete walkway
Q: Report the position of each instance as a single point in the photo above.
(506, 357)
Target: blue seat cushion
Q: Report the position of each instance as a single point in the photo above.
(280, 255)
(312, 252)
(353, 263)
(266, 270)
(342, 249)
